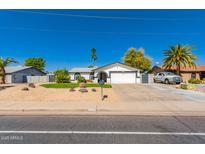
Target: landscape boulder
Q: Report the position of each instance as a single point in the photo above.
(32, 85)
(2, 87)
(25, 89)
(83, 90)
(72, 89)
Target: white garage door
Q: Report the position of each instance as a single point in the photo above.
(124, 77)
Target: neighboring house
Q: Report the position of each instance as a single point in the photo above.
(197, 73)
(87, 73)
(111, 73)
(187, 73)
(19, 74)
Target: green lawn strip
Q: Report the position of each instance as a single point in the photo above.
(74, 85)
(61, 85)
(95, 85)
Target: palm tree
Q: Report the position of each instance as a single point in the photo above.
(93, 55)
(177, 56)
(3, 64)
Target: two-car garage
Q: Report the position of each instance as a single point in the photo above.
(123, 77)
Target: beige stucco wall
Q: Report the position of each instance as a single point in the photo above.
(187, 76)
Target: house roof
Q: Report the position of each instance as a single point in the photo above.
(191, 69)
(82, 70)
(117, 63)
(198, 68)
(13, 69)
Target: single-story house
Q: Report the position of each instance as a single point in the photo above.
(87, 73)
(112, 73)
(18, 74)
(187, 73)
(197, 73)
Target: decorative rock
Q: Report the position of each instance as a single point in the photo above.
(93, 90)
(72, 90)
(178, 86)
(32, 85)
(25, 89)
(82, 85)
(1, 88)
(83, 90)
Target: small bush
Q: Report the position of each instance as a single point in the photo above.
(81, 79)
(184, 86)
(62, 76)
(194, 81)
(203, 81)
(89, 81)
(188, 86)
(82, 85)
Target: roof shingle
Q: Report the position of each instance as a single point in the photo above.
(12, 69)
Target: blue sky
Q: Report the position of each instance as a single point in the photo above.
(64, 37)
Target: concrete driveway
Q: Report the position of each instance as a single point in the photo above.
(151, 93)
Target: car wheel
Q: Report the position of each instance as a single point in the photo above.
(166, 81)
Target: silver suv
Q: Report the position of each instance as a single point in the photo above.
(167, 77)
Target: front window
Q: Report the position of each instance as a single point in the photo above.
(76, 75)
(92, 76)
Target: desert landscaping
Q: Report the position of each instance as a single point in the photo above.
(40, 94)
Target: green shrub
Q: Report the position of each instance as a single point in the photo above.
(194, 81)
(81, 79)
(62, 76)
(188, 86)
(184, 86)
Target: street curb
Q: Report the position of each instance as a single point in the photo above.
(95, 113)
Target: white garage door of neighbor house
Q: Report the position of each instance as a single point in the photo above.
(118, 77)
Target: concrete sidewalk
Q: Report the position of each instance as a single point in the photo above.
(183, 108)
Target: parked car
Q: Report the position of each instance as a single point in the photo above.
(167, 77)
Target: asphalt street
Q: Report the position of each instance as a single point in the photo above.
(101, 129)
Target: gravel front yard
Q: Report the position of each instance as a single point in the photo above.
(42, 94)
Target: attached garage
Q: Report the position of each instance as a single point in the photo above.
(122, 77)
(117, 73)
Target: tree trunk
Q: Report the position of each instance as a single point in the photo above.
(94, 63)
(178, 69)
(2, 75)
